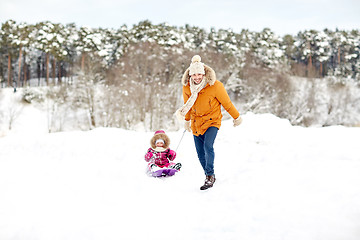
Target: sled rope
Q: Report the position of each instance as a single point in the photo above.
(180, 140)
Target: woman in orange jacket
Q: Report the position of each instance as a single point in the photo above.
(203, 97)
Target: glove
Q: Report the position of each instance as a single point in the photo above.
(148, 156)
(172, 155)
(237, 121)
(187, 126)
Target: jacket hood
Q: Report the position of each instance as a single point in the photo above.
(160, 135)
(210, 76)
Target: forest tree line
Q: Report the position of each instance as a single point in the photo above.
(137, 70)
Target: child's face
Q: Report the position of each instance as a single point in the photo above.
(159, 144)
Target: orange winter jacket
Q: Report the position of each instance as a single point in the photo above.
(206, 111)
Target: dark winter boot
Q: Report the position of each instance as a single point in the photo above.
(177, 166)
(209, 182)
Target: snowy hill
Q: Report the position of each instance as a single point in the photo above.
(274, 181)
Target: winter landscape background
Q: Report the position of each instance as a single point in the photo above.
(79, 105)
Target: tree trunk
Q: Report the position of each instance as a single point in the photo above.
(59, 72)
(53, 71)
(90, 96)
(321, 69)
(19, 72)
(310, 71)
(309, 65)
(47, 68)
(82, 62)
(25, 73)
(9, 69)
(25, 69)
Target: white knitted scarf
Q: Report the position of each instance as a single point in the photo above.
(195, 89)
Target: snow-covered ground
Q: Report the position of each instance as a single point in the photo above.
(274, 182)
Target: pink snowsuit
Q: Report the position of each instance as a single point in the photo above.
(160, 158)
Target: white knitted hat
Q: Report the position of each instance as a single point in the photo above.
(196, 66)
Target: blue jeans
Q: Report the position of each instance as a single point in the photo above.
(205, 150)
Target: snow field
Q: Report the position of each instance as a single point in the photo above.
(274, 181)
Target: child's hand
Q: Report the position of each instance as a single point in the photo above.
(172, 155)
(148, 156)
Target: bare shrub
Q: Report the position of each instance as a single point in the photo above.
(57, 107)
(146, 88)
(14, 110)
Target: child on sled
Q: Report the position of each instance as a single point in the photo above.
(160, 157)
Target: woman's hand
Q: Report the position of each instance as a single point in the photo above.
(237, 121)
(187, 126)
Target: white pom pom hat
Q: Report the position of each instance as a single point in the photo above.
(196, 66)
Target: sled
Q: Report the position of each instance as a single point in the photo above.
(164, 172)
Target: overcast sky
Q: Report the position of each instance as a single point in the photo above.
(281, 16)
